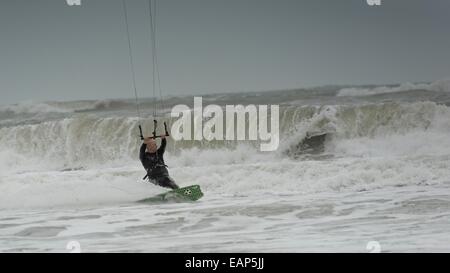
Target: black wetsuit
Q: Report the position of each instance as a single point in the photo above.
(156, 168)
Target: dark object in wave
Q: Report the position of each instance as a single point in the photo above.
(309, 145)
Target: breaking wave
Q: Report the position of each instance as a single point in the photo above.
(370, 146)
(437, 86)
(85, 141)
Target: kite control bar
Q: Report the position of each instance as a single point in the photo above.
(165, 129)
(140, 132)
(155, 125)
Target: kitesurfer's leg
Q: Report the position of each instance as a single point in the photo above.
(167, 182)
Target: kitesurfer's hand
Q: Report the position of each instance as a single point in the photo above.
(147, 140)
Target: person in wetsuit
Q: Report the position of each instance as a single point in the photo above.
(152, 159)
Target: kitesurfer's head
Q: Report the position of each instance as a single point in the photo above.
(151, 145)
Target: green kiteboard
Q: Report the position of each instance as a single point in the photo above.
(187, 194)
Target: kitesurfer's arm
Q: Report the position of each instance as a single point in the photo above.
(162, 148)
(142, 151)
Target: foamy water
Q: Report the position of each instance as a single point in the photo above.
(349, 170)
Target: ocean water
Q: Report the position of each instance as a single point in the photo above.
(359, 169)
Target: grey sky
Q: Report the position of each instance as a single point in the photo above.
(50, 51)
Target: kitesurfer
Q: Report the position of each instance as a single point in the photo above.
(152, 159)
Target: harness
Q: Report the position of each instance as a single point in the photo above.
(154, 166)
